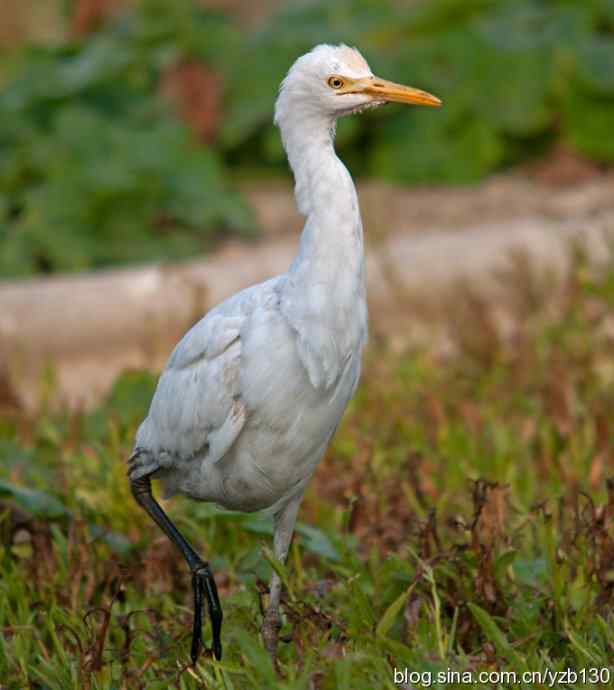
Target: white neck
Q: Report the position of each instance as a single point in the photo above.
(323, 297)
(325, 194)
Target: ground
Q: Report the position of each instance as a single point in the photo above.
(462, 520)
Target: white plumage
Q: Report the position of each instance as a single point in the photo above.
(253, 393)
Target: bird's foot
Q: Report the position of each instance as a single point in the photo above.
(203, 586)
(270, 631)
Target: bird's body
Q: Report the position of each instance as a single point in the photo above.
(236, 418)
(253, 393)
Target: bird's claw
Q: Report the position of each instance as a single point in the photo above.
(203, 585)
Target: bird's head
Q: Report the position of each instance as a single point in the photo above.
(336, 80)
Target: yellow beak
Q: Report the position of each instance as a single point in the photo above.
(384, 90)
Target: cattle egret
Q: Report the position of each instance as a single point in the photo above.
(253, 393)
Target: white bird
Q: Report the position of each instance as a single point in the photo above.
(254, 391)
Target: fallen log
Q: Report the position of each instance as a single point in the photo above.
(88, 328)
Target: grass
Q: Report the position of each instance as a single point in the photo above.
(461, 521)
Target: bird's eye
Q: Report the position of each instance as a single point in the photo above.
(335, 82)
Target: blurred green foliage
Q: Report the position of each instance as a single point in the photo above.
(96, 168)
(514, 75)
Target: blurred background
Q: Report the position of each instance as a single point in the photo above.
(140, 134)
(464, 511)
(128, 128)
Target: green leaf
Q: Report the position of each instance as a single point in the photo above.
(494, 634)
(316, 541)
(582, 647)
(38, 503)
(504, 561)
(276, 564)
(436, 146)
(518, 104)
(531, 572)
(595, 65)
(387, 620)
(362, 605)
(117, 542)
(97, 168)
(587, 125)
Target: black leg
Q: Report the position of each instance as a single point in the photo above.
(203, 584)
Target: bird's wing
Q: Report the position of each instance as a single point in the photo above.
(196, 409)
